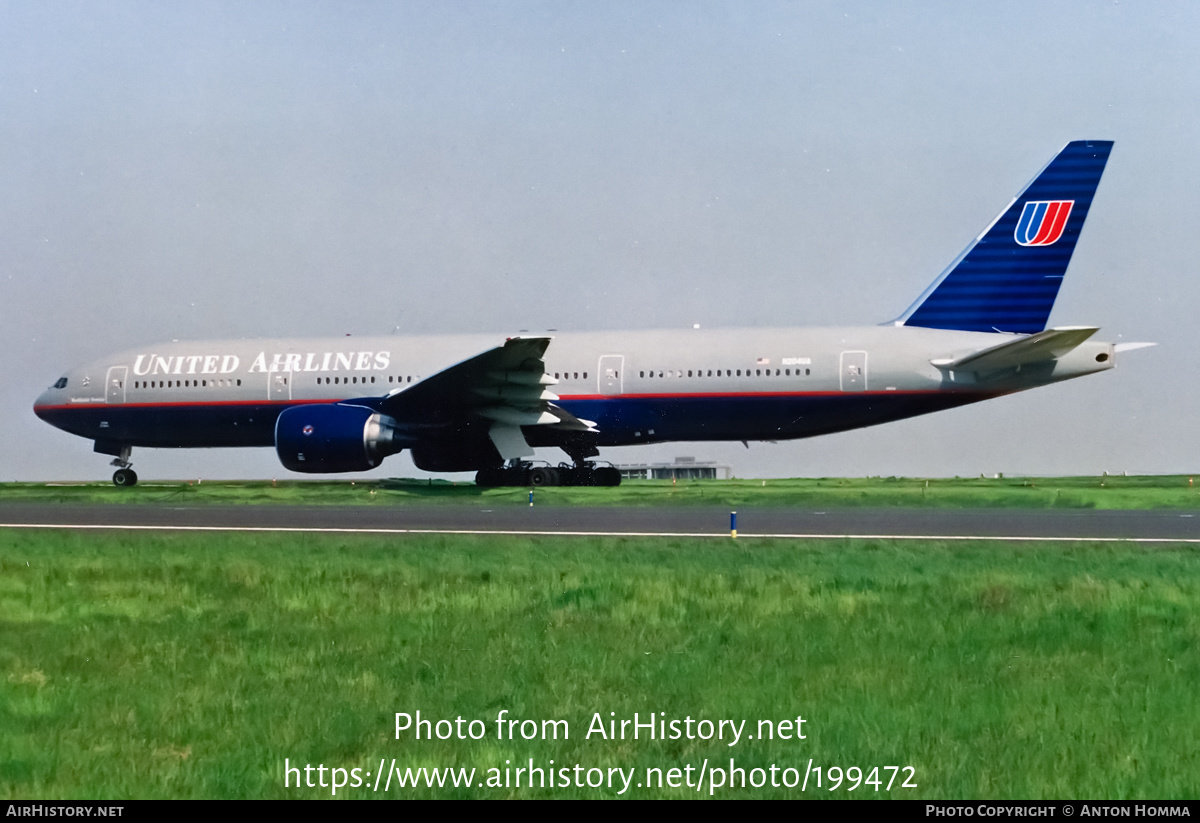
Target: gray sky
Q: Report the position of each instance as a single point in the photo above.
(230, 169)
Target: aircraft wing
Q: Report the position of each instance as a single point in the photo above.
(1034, 348)
(507, 386)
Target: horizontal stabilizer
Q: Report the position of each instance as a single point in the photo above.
(1036, 348)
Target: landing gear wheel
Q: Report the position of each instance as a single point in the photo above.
(124, 477)
(543, 477)
(490, 478)
(608, 476)
(583, 475)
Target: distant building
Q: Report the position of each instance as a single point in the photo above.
(684, 468)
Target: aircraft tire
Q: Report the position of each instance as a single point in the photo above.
(543, 477)
(579, 477)
(608, 476)
(125, 477)
(490, 478)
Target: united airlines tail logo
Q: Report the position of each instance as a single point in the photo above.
(1042, 222)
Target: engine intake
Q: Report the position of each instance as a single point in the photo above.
(334, 437)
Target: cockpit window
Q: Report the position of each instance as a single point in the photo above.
(61, 383)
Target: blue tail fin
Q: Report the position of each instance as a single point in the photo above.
(1007, 279)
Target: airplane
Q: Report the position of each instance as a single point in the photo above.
(478, 403)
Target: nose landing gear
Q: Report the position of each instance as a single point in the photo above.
(124, 475)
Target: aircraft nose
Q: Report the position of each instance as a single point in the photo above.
(39, 405)
(46, 401)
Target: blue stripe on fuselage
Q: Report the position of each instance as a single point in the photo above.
(174, 425)
(626, 420)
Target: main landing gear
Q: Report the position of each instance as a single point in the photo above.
(520, 473)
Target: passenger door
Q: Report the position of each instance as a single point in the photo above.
(280, 386)
(115, 383)
(854, 371)
(609, 373)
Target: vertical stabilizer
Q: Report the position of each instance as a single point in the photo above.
(1007, 279)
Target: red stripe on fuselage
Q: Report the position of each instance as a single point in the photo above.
(181, 404)
(735, 395)
(565, 397)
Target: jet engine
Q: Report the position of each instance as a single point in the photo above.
(335, 437)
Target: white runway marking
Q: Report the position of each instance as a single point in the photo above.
(531, 533)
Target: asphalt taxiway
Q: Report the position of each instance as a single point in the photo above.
(898, 523)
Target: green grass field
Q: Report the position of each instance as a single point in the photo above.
(191, 666)
(1104, 492)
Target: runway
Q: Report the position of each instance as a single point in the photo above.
(1157, 526)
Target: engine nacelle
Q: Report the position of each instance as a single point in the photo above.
(334, 437)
